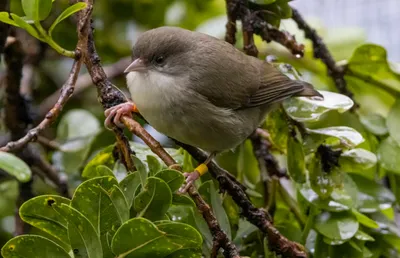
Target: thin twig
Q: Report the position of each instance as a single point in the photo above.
(321, 51)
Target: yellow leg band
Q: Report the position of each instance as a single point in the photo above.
(202, 169)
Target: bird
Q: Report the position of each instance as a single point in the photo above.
(202, 91)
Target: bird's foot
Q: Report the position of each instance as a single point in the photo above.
(192, 177)
(114, 114)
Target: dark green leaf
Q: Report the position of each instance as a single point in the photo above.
(181, 233)
(15, 166)
(179, 199)
(389, 155)
(37, 10)
(247, 165)
(173, 178)
(39, 213)
(393, 121)
(337, 225)
(154, 200)
(154, 165)
(33, 247)
(66, 13)
(129, 186)
(141, 169)
(104, 171)
(295, 160)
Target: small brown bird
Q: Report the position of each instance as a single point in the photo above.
(201, 91)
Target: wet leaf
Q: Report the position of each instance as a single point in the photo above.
(33, 247)
(361, 235)
(389, 155)
(15, 166)
(356, 160)
(305, 109)
(346, 134)
(336, 225)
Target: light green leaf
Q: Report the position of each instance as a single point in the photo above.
(66, 13)
(393, 121)
(361, 235)
(154, 200)
(310, 109)
(295, 159)
(356, 160)
(346, 134)
(212, 197)
(33, 247)
(102, 170)
(37, 10)
(375, 123)
(103, 157)
(129, 186)
(365, 220)
(141, 169)
(389, 155)
(39, 213)
(15, 166)
(82, 235)
(173, 178)
(154, 165)
(336, 225)
(247, 165)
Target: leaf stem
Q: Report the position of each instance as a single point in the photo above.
(49, 40)
(309, 224)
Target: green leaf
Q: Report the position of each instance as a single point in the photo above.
(76, 139)
(295, 159)
(140, 238)
(305, 109)
(337, 225)
(15, 167)
(247, 165)
(371, 195)
(369, 62)
(361, 235)
(154, 200)
(356, 160)
(19, 22)
(346, 134)
(103, 157)
(66, 13)
(389, 155)
(173, 178)
(185, 253)
(375, 123)
(102, 170)
(212, 197)
(265, 2)
(33, 247)
(365, 220)
(82, 235)
(179, 199)
(393, 121)
(154, 165)
(39, 213)
(141, 169)
(37, 10)
(129, 186)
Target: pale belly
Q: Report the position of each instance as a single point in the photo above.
(187, 117)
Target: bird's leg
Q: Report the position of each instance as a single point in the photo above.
(114, 114)
(196, 174)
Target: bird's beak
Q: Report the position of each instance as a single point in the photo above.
(136, 66)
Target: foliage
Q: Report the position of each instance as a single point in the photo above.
(343, 164)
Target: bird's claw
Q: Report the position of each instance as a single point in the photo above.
(114, 114)
(190, 179)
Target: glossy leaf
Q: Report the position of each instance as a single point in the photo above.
(336, 226)
(356, 160)
(39, 213)
(140, 168)
(82, 235)
(179, 199)
(15, 166)
(371, 195)
(393, 121)
(389, 155)
(363, 219)
(104, 158)
(37, 10)
(212, 197)
(295, 160)
(33, 247)
(154, 200)
(346, 134)
(361, 235)
(129, 186)
(173, 178)
(375, 123)
(154, 165)
(305, 109)
(67, 13)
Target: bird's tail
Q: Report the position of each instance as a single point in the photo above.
(309, 91)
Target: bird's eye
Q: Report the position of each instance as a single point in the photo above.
(159, 60)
